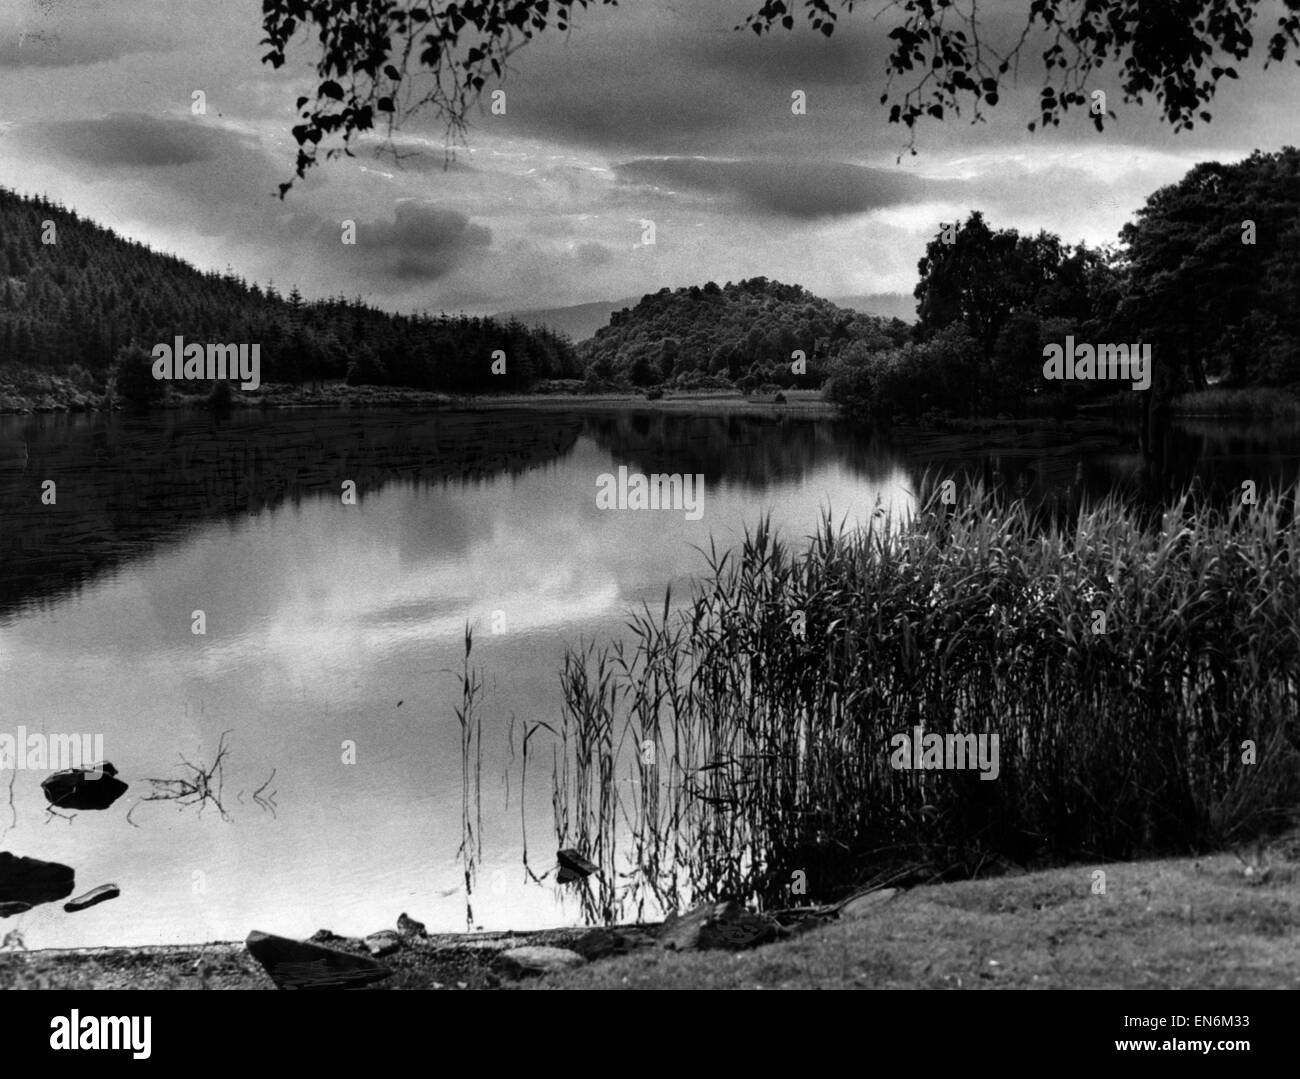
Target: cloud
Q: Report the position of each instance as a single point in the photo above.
(422, 243)
(798, 189)
(134, 140)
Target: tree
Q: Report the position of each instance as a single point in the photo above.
(983, 276)
(1210, 266)
(374, 57)
(978, 278)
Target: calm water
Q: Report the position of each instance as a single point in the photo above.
(332, 625)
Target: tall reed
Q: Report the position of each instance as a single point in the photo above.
(771, 747)
(471, 773)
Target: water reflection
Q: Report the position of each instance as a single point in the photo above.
(335, 633)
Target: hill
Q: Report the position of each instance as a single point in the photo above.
(747, 333)
(581, 321)
(80, 304)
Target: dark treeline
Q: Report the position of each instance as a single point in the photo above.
(1207, 274)
(91, 305)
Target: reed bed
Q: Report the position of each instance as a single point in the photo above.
(730, 743)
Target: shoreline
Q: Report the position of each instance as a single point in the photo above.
(1243, 405)
(1214, 921)
(275, 396)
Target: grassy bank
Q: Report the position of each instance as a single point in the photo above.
(1251, 403)
(1142, 679)
(1168, 924)
(1176, 923)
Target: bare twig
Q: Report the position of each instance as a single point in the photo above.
(198, 788)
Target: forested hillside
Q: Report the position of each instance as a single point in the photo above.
(746, 333)
(90, 303)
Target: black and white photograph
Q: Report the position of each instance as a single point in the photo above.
(666, 494)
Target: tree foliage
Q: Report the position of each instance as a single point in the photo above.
(981, 276)
(78, 302)
(1176, 51)
(1207, 274)
(1212, 270)
(744, 333)
(391, 58)
(384, 60)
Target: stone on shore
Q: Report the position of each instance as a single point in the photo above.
(535, 960)
(102, 894)
(328, 936)
(80, 788)
(383, 943)
(724, 925)
(31, 881)
(296, 964)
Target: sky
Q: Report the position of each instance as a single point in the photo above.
(653, 111)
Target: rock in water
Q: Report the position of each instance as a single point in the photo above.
(102, 894)
(31, 881)
(536, 960)
(296, 964)
(573, 866)
(409, 927)
(96, 787)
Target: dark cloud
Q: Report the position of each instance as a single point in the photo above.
(404, 154)
(799, 189)
(421, 243)
(593, 254)
(134, 140)
(798, 58)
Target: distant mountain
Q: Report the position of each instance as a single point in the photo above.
(577, 322)
(885, 304)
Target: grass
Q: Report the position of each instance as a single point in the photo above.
(769, 748)
(1253, 401)
(1168, 924)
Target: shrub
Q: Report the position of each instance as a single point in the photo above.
(132, 378)
(221, 397)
